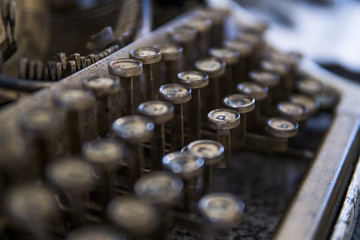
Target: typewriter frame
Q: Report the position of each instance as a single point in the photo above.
(315, 205)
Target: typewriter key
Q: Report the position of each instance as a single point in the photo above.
(202, 26)
(185, 36)
(308, 102)
(177, 94)
(74, 101)
(127, 69)
(255, 40)
(105, 156)
(243, 104)
(134, 216)
(221, 210)
(171, 54)
(94, 232)
(103, 88)
(134, 130)
(159, 188)
(148, 56)
(283, 70)
(231, 58)
(282, 127)
(73, 178)
(223, 120)
(243, 68)
(159, 112)
(271, 80)
(31, 208)
(309, 86)
(188, 167)
(292, 110)
(212, 152)
(259, 93)
(196, 81)
(39, 124)
(215, 68)
(328, 98)
(217, 31)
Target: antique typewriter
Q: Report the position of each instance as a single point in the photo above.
(199, 129)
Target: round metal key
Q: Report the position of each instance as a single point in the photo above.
(159, 111)
(159, 188)
(228, 55)
(265, 78)
(94, 232)
(175, 93)
(103, 152)
(212, 66)
(256, 90)
(41, 122)
(29, 205)
(282, 127)
(70, 174)
(221, 210)
(74, 99)
(193, 79)
(182, 33)
(102, 86)
(211, 151)
(133, 215)
(147, 55)
(170, 51)
(203, 26)
(241, 102)
(125, 67)
(186, 165)
(311, 104)
(244, 48)
(295, 111)
(133, 129)
(309, 86)
(224, 119)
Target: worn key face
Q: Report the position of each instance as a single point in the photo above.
(212, 66)
(74, 99)
(147, 55)
(94, 232)
(182, 33)
(253, 89)
(125, 67)
(72, 174)
(187, 166)
(133, 128)
(265, 78)
(224, 119)
(41, 121)
(221, 209)
(175, 93)
(241, 102)
(242, 47)
(309, 86)
(170, 51)
(311, 104)
(282, 127)
(212, 151)
(159, 188)
(229, 56)
(293, 110)
(194, 79)
(158, 111)
(133, 215)
(102, 85)
(103, 152)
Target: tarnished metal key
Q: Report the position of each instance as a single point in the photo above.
(188, 167)
(103, 88)
(196, 81)
(223, 120)
(203, 26)
(127, 70)
(212, 152)
(171, 55)
(159, 112)
(148, 56)
(177, 94)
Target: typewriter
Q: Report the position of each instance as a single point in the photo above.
(199, 129)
